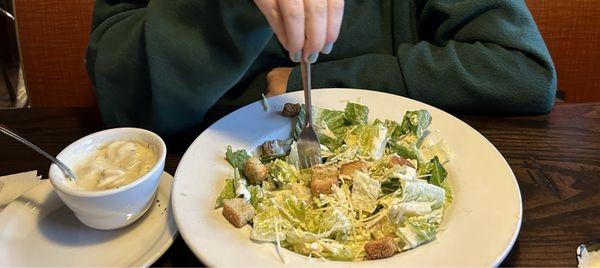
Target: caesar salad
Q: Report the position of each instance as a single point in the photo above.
(382, 188)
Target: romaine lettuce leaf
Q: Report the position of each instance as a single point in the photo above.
(298, 236)
(263, 226)
(416, 122)
(256, 195)
(420, 229)
(418, 212)
(283, 210)
(330, 126)
(408, 151)
(400, 210)
(337, 251)
(421, 191)
(343, 153)
(436, 171)
(365, 192)
(282, 172)
(394, 129)
(448, 189)
(356, 114)
(370, 139)
(237, 158)
(430, 149)
(404, 173)
(389, 186)
(228, 192)
(330, 249)
(300, 190)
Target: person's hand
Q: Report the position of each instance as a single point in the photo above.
(304, 27)
(277, 80)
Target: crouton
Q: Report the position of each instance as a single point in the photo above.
(291, 109)
(348, 169)
(237, 211)
(255, 171)
(324, 172)
(395, 159)
(381, 248)
(322, 178)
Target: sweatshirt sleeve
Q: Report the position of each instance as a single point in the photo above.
(471, 56)
(162, 64)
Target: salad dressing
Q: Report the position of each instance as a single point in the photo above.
(113, 165)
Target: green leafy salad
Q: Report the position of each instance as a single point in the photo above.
(381, 189)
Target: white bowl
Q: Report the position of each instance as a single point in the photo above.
(112, 208)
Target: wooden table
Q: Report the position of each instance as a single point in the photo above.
(555, 157)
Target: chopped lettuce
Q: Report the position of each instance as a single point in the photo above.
(264, 226)
(228, 192)
(421, 191)
(399, 211)
(282, 172)
(419, 210)
(256, 195)
(404, 173)
(448, 189)
(390, 185)
(237, 158)
(394, 129)
(416, 122)
(420, 229)
(434, 170)
(430, 149)
(371, 140)
(330, 126)
(300, 191)
(365, 192)
(408, 151)
(356, 114)
(277, 212)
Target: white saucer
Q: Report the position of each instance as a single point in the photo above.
(39, 230)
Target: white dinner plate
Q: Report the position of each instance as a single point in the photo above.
(478, 229)
(39, 230)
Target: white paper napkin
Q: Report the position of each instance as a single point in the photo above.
(13, 186)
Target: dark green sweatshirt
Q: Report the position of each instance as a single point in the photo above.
(161, 64)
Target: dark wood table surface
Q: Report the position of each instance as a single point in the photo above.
(555, 157)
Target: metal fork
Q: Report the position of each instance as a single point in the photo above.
(309, 150)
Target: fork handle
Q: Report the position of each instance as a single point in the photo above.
(306, 77)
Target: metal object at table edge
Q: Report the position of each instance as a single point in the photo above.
(309, 148)
(65, 169)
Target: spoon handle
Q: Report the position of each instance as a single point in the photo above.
(68, 172)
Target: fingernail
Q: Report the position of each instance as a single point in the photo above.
(312, 57)
(297, 56)
(327, 49)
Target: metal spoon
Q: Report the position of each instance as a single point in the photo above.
(65, 169)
